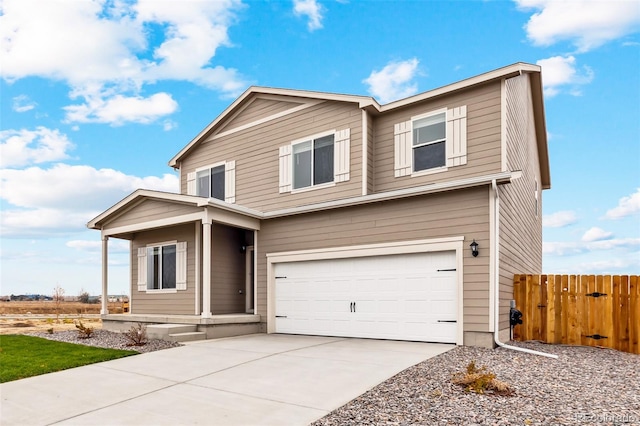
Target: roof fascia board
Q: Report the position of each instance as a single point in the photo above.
(265, 119)
(500, 73)
(212, 202)
(362, 101)
(135, 197)
(537, 97)
(153, 224)
(500, 178)
(176, 158)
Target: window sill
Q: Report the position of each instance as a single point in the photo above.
(314, 187)
(430, 171)
(162, 291)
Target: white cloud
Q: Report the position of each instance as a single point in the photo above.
(67, 41)
(120, 109)
(394, 81)
(559, 219)
(63, 198)
(559, 71)
(627, 206)
(610, 265)
(25, 147)
(83, 187)
(39, 223)
(573, 248)
(111, 48)
(22, 103)
(168, 125)
(596, 234)
(311, 9)
(95, 246)
(587, 24)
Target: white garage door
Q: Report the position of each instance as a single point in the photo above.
(400, 297)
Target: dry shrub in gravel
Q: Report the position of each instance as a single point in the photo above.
(480, 380)
(584, 386)
(137, 335)
(84, 332)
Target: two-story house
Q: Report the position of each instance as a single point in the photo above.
(328, 214)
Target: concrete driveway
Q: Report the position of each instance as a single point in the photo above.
(250, 380)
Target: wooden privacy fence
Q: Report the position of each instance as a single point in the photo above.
(593, 310)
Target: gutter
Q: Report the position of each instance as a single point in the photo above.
(496, 281)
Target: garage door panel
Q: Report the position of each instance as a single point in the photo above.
(396, 297)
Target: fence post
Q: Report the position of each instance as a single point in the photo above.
(634, 315)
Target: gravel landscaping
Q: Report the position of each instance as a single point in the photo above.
(584, 385)
(107, 339)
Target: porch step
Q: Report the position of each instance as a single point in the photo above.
(163, 331)
(187, 337)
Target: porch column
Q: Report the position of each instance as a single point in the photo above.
(105, 272)
(206, 269)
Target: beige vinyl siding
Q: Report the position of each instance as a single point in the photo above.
(257, 109)
(483, 138)
(150, 210)
(227, 270)
(520, 229)
(463, 212)
(179, 303)
(256, 152)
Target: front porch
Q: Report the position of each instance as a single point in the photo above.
(192, 270)
(185, 327)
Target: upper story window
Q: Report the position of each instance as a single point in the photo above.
(313, 162)
(214, 181)
(210, 182)
(429, 142)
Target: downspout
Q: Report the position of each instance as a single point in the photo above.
(496, 279)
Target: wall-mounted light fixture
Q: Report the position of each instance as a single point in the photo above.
(474, 248)
(243, 248)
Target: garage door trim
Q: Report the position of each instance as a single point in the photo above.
(398, 247)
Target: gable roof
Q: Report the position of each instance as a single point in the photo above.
(372, 106)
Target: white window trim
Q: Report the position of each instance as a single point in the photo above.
(433, 170)
(313, 187)
(211, 166)
(229, 193)
(307, 139)
(162, 290)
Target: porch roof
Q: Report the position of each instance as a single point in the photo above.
(201, 209)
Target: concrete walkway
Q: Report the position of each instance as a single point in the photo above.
(250, 380)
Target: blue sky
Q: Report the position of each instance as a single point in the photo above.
(97, 96)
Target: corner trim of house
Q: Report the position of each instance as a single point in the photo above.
(503, 124)
(455, 243)
(365, 152)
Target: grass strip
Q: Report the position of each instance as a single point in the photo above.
(26, 356)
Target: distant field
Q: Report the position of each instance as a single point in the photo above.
(49, 308)
(28, 317)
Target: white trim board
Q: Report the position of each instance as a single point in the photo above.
(264, 120)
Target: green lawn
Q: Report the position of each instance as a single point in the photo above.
(26, 356)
